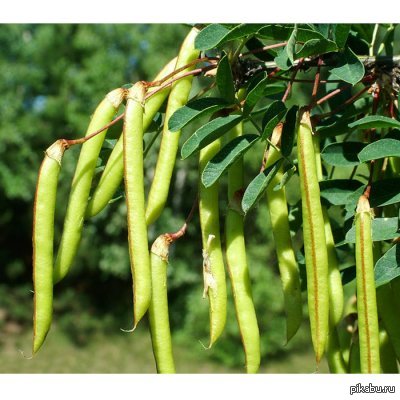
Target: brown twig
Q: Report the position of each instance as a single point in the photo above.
(346, 103)
(179, 233)
(290, 84)
(194, 72)
(72, 142)
(317, 81)
(264, 48)
(372, 134)
(284, 78)
(332, 94)
(176, 71)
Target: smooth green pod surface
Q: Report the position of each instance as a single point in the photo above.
(238, 268)
(169, 143)
(43, 242)
(135, 201)
(316, 255)
(366, 295)
(288, 269)
(213, 263)
(81, 184)
(158, 310)
(336, 296)
(113, 173)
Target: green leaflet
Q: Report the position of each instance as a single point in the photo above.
(208, 133)
(224, 80)
(193, 110)
(342, 154)
(315, 47)
(272, 116)
(350, 69)
(226, 157)
(215, 35)
(337, 191)
(375, 121)
(380, 149)
(258, 186)
(388, 266)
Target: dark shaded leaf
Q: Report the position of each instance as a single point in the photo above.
(383, 193)
(226, 157)
(337, 191)
(274, 88)
(216, 34)
(242, 30)
(291, 45)
(193, 110)
(380, 149)
(280, 32)
(273, 115)
(255, 44)
(324, 29)
(224, 80)
(282, 60)
(255, 93)
(375, 121)
(341, 33)
(210, 36)
(342, 154)
(348, 274)
(349, 69)
(387, 267)
(208, 133)
(258, 185)
(357, 43)
(289, 131)
(316, 47)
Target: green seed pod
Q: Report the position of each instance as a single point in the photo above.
(113, 172)
(81, 184)
(334, 354)
(238, 268)
(316, 255)
(43, 241)
(336, 297)
(169, 143)
(135, 200)
(288, 269)
(158, 310)
(213, 263)
(366, 295)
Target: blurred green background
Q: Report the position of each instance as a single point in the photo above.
(51, 79)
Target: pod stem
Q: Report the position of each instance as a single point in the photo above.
(194, 72)
(292, 78)
(72, 142)
(317, 82)
(175, 72)
(180, 232)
